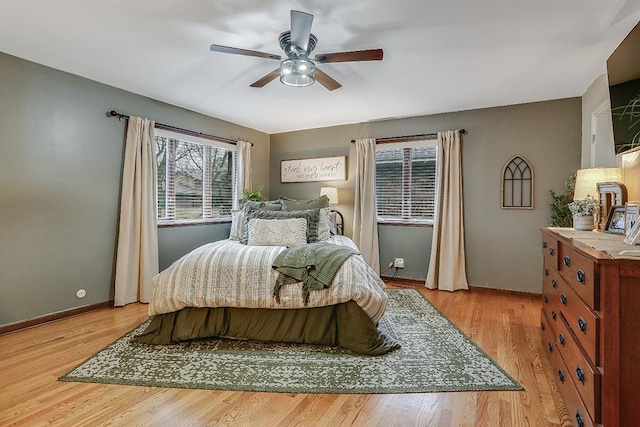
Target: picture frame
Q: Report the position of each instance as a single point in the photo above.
(615, 220)
(634, 235)
(631, 211)
(317, 169)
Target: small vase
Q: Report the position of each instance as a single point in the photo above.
(583, 222)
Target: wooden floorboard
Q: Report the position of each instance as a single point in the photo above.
(507, 327)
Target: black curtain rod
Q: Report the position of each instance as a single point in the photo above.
(407, 137)
(119, 116)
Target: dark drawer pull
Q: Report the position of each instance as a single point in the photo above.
(550, 347)
(563, 299)
(544, 245)
(580, 276)
(582, 324)
(560, 375)
(561, 339)
(553, 314)
(545, 298)
(554, 283)
(567, 260)
(542, 326)
(580, 374)
(579, 420)
(546, 271)
(551, 251)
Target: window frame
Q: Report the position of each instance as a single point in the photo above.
(408, 221)
(207, 144)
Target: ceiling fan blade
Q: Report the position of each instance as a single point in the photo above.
(266, 79)
(246, 52)
(301, 29)
(325, 80)
(352, 56)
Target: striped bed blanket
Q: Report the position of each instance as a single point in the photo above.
(227, 273)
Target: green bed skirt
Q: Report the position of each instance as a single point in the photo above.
(344, 325)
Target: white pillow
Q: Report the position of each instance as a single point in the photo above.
(237, 224)
(277, 232)
(333, 223)
(324, 228)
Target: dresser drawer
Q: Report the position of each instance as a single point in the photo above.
(551, 295)
(550, 251)
(575, 407)
(584, 323)
(579, 272)
(548, 334)
(572, 400)
(584, 376)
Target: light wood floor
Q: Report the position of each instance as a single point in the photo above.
(506, 327)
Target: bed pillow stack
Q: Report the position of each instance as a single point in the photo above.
(238, 222)
(315, 212)
(321, 204)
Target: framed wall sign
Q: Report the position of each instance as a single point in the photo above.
(318, 169)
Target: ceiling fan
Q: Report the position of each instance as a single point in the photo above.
(297, 69)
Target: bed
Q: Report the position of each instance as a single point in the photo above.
(226, 289)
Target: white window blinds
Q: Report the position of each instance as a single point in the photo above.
(406, 181)
(195, 178)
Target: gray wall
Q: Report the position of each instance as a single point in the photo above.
(60, 172)
(502, 246)
(600, 152)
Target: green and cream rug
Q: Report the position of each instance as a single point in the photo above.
(435, 356)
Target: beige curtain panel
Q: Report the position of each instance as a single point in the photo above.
(243, 173)
(137, 256)
(365, 225)
(447, 266)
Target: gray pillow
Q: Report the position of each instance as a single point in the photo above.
(311, 215)
(298, 205)
(268, 205)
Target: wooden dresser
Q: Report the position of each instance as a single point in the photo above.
(591, 325)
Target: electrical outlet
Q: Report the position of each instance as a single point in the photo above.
(81, 293)
(398, 263)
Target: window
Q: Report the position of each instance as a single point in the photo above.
(406, 181)
(195, 178)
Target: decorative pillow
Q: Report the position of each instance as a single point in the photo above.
(324, 230)
(277, 232)
(237, 225)
(298, 205)
(272, 205)
(311, 215)
(333, 223)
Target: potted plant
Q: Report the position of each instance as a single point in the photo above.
(254, 194)
(583, 212)
(560, 214)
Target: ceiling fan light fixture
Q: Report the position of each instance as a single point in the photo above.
(297, 72)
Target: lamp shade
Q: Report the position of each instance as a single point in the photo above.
(331, 193)
(587, 180)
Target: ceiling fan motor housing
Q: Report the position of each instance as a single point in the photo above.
(293, 51)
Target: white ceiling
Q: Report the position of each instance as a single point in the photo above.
(439, 56)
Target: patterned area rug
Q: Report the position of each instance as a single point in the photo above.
(435, 356)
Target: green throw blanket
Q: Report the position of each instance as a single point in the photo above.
(314, 264)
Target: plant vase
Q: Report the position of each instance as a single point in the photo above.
(583, 222)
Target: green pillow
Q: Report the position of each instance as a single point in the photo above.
(269, 205)
(299, 205)
(311, 215)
